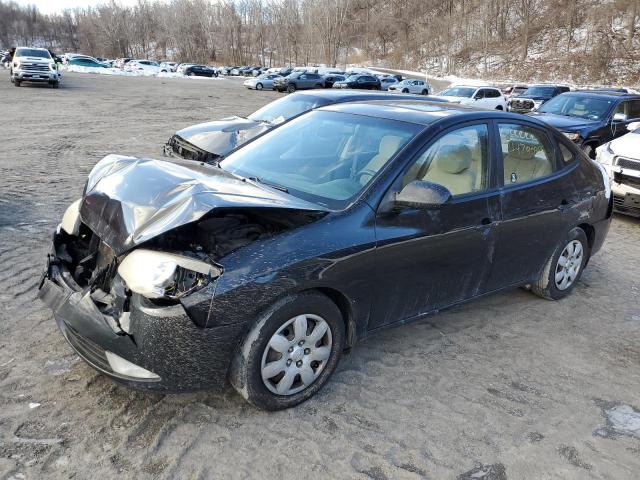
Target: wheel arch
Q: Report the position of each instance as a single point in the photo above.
(344, 305)
(590, 232)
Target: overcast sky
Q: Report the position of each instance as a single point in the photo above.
(53, 6)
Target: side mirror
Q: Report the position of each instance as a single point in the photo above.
(619, 117)
(633, 126)
(477, 96)
(422, 194)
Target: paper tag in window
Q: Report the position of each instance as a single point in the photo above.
(514, 177)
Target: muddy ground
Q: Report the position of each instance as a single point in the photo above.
(508, 387)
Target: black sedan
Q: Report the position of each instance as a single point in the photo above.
(200, 71)
(351, 218)
(364, 82)
(210, 141)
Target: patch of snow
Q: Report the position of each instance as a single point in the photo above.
(624, 419)
(125, 73)
(34, 405)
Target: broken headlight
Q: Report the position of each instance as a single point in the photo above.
(155, 274)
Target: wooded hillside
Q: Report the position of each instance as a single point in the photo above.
(571, 40)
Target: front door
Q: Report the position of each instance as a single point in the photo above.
(430, 258)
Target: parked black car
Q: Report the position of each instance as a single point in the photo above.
(298, 81)
(364, 82)
(329, 80)
(200, 71)
(591, 118)
(534, 96)
(208, 142)
(346, 220)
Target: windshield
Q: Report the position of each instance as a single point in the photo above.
(323, 157)
(32, 52)
(539, 91)
(578, 106)
(458, 92)
(287, 107)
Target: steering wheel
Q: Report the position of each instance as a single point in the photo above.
(366, 171)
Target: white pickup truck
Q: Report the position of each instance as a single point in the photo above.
(34, 65)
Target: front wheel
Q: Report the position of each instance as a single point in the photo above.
(499, 107)
(290, 353)
(563, 270)
(291, 88)
(589, 151)
(424, 92)
(16, 82)
(259, 86)
(405, 90)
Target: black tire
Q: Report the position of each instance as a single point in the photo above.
(319, 85)
(16, 82)
(499, 107)
(291, 88)
(259, 86)
(424, 92)
(55, 84)
(405, 90)
(589, 151)
(245, 374)
(545, 286)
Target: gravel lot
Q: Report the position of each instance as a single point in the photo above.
(510, 386)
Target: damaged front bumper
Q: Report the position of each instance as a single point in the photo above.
(625, 186)
(160, 348)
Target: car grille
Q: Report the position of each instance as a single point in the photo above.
(521, 104)
(626, 179)
(188, 151)
(630, 208)
(34, 67)
(628, 163)
(87, 349)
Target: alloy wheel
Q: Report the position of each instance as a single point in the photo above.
(296, 354)
(569, 264)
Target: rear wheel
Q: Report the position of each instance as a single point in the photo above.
(259, 86)
(424, 92)
(405, 90)
(563, 270)
(290, 353)
(291, 88)
(499, 107)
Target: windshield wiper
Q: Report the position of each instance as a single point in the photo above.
(282, 188)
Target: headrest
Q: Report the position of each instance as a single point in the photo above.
(453, 158)
(523, 149)
(389, 145)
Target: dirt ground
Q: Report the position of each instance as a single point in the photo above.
(507, 387)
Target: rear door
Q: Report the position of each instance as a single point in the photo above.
(631, 110)
(535, 200)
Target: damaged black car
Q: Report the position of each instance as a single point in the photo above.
(263, 269)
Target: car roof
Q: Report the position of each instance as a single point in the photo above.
(604, 94)
(339, 95)
(420, 112)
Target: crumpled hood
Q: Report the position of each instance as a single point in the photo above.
(563, 123)
(130, 200)
(221, 136)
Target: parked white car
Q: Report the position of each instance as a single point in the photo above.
(621, 159)
(483, 97)
(420, 87)
(386, 82)
(168, 66)
(143, 65)
(262, 81)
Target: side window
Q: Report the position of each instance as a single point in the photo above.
(567, 155)
(479, 94)
(526, 152)
(493, 93)
(457, 161)
(630, 108)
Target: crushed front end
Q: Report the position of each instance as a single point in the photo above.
(157, 343)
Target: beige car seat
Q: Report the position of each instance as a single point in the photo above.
(521, 163)
(450, 168)
(389, 145)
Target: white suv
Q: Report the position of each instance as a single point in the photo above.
(483, 97)
(33, 65)
(420, 87)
